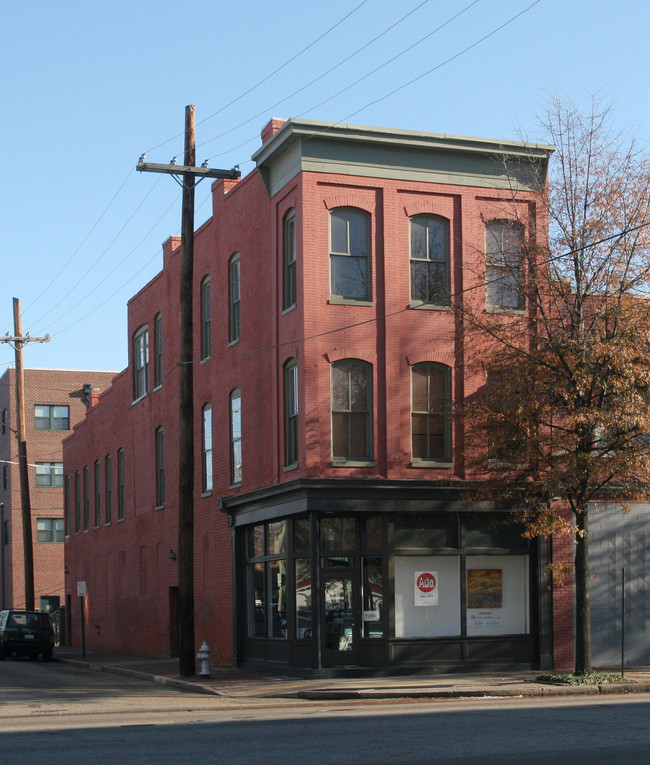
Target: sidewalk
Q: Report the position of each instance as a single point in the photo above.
(244, 683)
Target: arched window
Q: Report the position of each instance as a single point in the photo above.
(350, 254)
(158, 350)
(289, 276)
(351, 410)
(235, 438)
(430, 413)
(234, 295)
(141, 362)
(504, 242)
(430, 260)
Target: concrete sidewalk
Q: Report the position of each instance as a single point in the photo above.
(245, 683)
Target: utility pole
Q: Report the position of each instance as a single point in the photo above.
(191, 175)
(18, 341)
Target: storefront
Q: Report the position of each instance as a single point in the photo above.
(345, 575)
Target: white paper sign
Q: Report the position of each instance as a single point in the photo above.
(426, 588)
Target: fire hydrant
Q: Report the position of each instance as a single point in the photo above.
(204, 657)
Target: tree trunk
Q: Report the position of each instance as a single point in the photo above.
(583, 607)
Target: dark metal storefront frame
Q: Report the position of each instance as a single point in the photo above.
(319, 498)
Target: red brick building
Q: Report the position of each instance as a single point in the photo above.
(331, 525)
(55, 400)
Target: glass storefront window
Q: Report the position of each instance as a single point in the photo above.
(277, 538)
(255, 587)
(301, 535)
(277, 579)
(334, 561)
(427, 595)
(497, 595)
(303, 597)
(372, 537)
(493, 530)
(426, 530)
(372, 590)
(255, 541)
(338, 534)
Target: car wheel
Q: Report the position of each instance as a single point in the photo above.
(3, 655)
(47, 654)
(33, 656)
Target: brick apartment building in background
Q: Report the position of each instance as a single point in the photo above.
(332, 526)
(55, 399)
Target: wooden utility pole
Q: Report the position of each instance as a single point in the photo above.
(189, 173)
(18, 341)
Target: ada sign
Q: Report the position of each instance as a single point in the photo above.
(426, 588)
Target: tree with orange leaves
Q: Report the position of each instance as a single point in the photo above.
(564, 342)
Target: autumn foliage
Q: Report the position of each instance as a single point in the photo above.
(563, 419)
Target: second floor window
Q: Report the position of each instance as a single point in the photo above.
(235, 438)
(430, 413)
(141, 362)
(207, 448)
(205, 318)
(350, 254)
(504, 289)
(98, 494)
(160, 467)
(49, 530)
(291, 413)
(430, 260)
(108, 482)
(86, 499)
(49, 474)
(234, 274)
(120, 484)
(351, 411)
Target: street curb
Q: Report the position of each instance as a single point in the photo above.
(522, 690)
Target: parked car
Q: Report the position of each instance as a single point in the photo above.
(26, 633)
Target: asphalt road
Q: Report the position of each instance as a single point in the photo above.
(52, 714)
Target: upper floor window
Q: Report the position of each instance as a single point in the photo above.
(77, 502)
(291, 413)
(86, 499)
(351, 411)
(289, 292)
(48, 417)
(141, 362)
(206, 338)
(160, 467)
(120, 484)
(49, 530)
(503, 268)
(108, 483)
(66, 505)
(350, 254)
(234, 279)
(5, 476)
(430, 413)
(235, 438)
(5, 421)
(158, 350)
(98, 494)
(49, 474)
(430, 260)
(207, 448)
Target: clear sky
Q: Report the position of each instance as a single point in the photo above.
(89, 86)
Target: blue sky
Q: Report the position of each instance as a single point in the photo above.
(88, 87)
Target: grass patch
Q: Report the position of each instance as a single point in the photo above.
(592, 678)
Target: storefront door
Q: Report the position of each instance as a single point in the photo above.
(340, 620)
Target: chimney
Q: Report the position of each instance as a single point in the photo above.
(274, 124)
